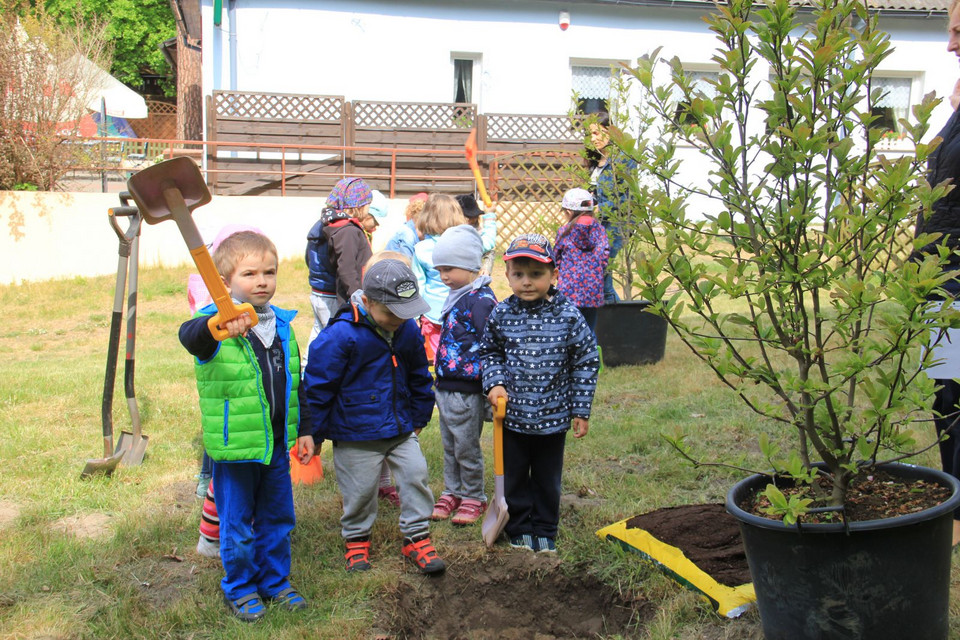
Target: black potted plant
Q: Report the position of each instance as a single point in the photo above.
(793, 291)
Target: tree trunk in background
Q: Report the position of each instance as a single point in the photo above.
(189, 100)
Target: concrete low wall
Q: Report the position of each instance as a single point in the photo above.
(61, 235)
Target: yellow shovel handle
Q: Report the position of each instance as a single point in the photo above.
(498, 414)
(226, 310)
(483, 190)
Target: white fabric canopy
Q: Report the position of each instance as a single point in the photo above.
(121, 101)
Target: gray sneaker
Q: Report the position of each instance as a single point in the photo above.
(207, 548)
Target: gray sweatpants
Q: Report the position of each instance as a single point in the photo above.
(358, 475)
(461, 422)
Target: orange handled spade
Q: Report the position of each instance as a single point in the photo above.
(470, 149)
(497, 514)
(173, 189)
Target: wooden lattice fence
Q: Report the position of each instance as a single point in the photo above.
(161, 121)
(530, 186)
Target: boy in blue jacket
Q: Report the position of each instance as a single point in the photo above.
(540, 356)
(368, 390)
(250, 414)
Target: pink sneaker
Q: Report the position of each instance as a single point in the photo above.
(389, 494)
(469, 512)
(445, 507)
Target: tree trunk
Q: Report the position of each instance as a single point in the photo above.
(189, 98)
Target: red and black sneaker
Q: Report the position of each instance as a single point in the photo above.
(358, 554)
(419, 550)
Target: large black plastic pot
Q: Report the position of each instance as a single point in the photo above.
(629, 334)
(872, 580)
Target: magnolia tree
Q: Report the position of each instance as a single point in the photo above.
(794, 292)
(45, 86)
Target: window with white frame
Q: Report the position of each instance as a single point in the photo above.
(465, 71)
(892, 104)
(593, 86)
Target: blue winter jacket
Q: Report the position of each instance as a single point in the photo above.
(546, 356)
(611, 189)
(360, 387)
(458, 352)
(323, 274)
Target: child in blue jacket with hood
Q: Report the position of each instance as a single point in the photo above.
(368, 389)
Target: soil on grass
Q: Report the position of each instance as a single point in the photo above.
(874, 496)
(508, 595)
(708, 536)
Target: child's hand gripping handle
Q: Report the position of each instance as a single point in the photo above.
(226, 310)
(498, 414)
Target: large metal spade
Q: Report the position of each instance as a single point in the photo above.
(133, 443)
(108, 463)
(497, 514)
(173, 189)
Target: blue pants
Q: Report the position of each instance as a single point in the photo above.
(947, 402)
(532, 467)
(255, 503)
(616, 243)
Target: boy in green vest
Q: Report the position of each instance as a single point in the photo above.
(250, 413)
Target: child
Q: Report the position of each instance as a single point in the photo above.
(439, 214)
(457, 257)
(487, 228)
(540, 356)
(250, 415)
(322, 273)
(581, 251)
(406, 238)
(369, 391)
(347, 240)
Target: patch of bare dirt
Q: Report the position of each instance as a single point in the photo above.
(9, 512)
(507, 595)
(161, 581)
(88, 526)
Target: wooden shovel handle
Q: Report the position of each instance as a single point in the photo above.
(498, 414)
(226, 310)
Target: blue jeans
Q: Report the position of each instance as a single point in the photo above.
(255, 502)
(616, 243)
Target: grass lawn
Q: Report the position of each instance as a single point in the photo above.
(114, 557)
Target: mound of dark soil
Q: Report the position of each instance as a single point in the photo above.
(507, 595)
(707, 535)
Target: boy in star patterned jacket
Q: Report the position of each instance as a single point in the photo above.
(457, 256)
(539, 354)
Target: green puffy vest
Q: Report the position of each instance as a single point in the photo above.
(234, 412)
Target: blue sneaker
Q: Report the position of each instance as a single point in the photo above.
(546, 545)
(523, 542)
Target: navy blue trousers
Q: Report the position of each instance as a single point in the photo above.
(255, 502)
(532, 467)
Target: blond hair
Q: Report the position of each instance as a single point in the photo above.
(238, 246)
(386, 255)
(414, 207)
(439, 214)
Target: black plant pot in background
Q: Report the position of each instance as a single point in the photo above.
(882, 579)
(628, 334)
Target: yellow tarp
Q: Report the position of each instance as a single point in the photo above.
(728, 601)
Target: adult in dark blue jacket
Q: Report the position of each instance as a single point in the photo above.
(609, 169)
(944, 164)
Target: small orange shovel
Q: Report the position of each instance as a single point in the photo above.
(173, 189)
(470, 149)
(497, 514)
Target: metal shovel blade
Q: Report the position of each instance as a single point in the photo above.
(132, 448)
(105, 466)
(497, 515)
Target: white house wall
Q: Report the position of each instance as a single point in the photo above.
(401, 51)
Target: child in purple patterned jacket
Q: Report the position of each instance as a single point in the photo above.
(581, 250)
